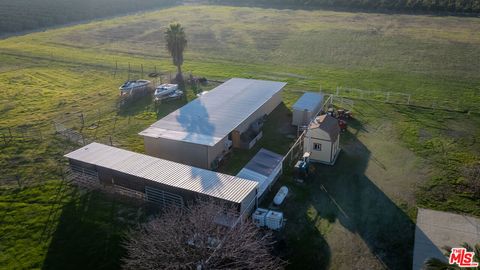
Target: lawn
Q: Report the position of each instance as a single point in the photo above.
(394, 157)
(361, 212)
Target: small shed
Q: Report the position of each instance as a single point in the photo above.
(322, 139)
(265, 167)
(306, 108)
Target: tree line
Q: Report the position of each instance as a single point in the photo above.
(23, 15)
(435, 6)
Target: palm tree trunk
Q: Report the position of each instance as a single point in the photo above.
(179, 78)
(179, 72)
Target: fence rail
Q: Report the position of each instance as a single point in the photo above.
(453, 104)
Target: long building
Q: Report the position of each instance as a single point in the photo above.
(202, 131)
(157, 180)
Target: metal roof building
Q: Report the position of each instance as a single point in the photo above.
(159, 178)
(199, 132)
(306, 108)
(265, 167)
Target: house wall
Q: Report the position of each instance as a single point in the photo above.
(138, 184)
(236, 141)
(267, 108)
(215, 151)
(300, 117)
(321, 137)
(104, 175)
(336, 148)
(179, 151)
(249, 203)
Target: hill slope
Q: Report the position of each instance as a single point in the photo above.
(21, 15)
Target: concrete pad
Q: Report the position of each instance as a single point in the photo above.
(436, 229)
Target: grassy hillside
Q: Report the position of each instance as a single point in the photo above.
(454, 7)
(400, 53)
(24, 15)
(405, 156)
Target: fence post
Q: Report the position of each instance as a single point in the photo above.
(337, 91)
(408, 101)
(82, 120)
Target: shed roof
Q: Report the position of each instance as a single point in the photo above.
(327, 123)
(260, 168)
(264, 162)
(166, 172)
(211, 117)
(308, 101)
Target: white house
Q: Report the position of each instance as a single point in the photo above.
(322, 139)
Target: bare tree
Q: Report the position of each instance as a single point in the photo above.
(191, 238)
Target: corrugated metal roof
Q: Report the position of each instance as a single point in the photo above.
(166, 172)
(211, 117)
(308, 101)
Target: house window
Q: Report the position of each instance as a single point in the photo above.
(317, 147)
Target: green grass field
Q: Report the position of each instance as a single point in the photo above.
(402, 156)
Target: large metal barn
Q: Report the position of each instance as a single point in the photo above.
(202, 131)
(157, 180)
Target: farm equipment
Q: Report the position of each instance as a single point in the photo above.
(343, 114)
(331, 112)
(301, 168)
(342, 124)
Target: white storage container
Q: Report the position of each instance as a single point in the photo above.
(306, 108)
(258, 217)
(280, 196)
(274, 220)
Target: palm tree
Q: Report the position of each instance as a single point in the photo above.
(438, 264)
(176, 44)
